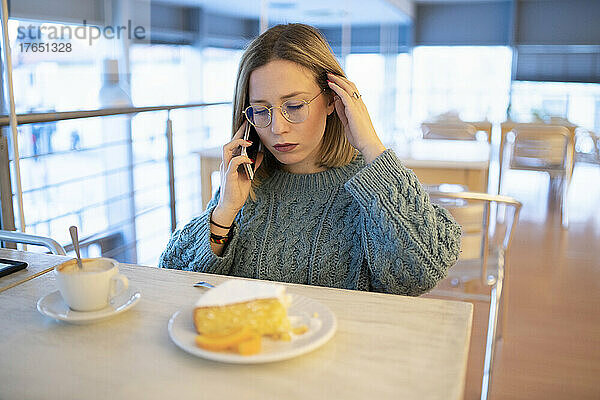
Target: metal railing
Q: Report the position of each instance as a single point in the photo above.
(34, 118)
(45, 117)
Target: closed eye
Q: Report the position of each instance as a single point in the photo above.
(261, 111)
(295, 106)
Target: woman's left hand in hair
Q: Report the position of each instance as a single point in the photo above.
(355, 118)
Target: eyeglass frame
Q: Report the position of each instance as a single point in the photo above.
(270, 110)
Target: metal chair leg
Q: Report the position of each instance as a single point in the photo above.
(564, 201)
(490, 345)
(500, 325)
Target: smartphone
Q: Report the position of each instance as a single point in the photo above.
(252, 151)
(10, 266)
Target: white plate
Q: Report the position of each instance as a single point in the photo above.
(53, 306)
(321, 328)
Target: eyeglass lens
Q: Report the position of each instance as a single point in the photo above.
(295, 111)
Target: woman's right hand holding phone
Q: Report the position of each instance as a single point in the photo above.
(235, 186)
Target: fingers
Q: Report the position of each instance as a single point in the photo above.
(348, 86)
(234, 144)
(235, 163)
(232, 149)
(341, 112)
(342, 94)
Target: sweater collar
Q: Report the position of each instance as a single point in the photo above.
(287, 182)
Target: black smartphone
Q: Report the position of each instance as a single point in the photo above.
(252, 151)
(10, 266)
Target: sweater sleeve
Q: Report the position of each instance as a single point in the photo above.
(409, 242)
(189, 247)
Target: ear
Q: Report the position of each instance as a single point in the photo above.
(330, 105)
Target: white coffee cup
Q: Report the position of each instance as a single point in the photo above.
(93, 287)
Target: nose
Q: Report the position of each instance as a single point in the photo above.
(279, 124)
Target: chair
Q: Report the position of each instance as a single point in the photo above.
(448, 131)
(484, 127)
(587, 147)
(19, 237)
(597, 147)
(488, 223)
(542, 148)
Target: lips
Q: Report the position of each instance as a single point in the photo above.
(285, 147)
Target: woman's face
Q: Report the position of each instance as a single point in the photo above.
(272, 85)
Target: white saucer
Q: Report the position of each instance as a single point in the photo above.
(319, 319)
(53, 306)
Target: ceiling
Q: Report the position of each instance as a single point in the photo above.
(471, 1)
(315, 12)
(322, 12)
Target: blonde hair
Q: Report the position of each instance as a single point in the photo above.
(307, 47)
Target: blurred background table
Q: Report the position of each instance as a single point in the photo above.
(458, 162)
(433, 161)
(386, 346)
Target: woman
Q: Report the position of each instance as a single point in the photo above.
(329, 205)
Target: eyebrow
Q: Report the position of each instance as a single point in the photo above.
(287, 96)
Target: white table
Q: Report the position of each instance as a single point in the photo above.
(386, 347)
(38, 267)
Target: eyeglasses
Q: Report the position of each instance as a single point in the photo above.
(295, 111)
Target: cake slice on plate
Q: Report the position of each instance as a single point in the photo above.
(237, 305)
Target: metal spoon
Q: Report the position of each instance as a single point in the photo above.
(75, 240)
(204, 285)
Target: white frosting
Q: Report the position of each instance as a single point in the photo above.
(239, 291)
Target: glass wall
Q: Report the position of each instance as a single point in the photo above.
(577, 102)
(73, 174)
(106, 173)
(472, 82)
(109, 175)
(165, 74)
(56, 74)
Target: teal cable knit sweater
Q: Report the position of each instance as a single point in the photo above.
(366, 227)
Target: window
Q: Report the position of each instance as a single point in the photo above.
(577, 102)
(473, 81)
(384, 83)
(109, 175)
